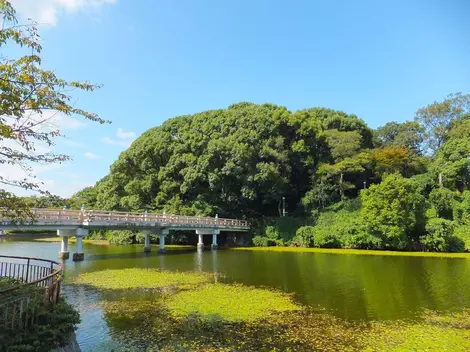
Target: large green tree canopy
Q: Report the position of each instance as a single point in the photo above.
(238, 161)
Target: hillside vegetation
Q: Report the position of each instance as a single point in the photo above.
(344, 184)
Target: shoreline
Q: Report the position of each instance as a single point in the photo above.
(344, 251)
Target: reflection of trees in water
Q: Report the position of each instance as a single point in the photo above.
(362, 286)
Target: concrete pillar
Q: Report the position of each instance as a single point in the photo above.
(64, 248)
(214, 241)
(200, 242)
(79, 255)
(147, 247)
(163, 234)
(215, 233)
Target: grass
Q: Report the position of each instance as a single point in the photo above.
(140, 278)
(230, 302)
(355, 251)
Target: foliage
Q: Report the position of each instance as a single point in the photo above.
(395, 158)
(462, 232)
(236, 162)
(261, 241)
(121, 236)
(230, 302)
(363, 240)
(443, 201)
(52, 330)
(341, 226)
(276, 231)
(304, 236)
(326, 239)
(452, 160)
(394, 210)
(440, 236)
(30, 97)
(140, 278)
(438, 118)
(409, 134)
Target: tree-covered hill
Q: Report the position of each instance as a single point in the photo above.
(236, 162)
(401, 186)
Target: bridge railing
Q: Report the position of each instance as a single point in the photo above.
(98, 215)
(26, 286)
(90, 216)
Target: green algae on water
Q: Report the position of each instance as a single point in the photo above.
(230, 302)
(134, 278)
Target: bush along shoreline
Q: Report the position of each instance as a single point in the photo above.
(398, 214)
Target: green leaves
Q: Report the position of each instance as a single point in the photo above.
(30, 97)
(394, 209)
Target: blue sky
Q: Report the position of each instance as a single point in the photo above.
(381, 60)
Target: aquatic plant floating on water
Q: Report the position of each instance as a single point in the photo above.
(134, 278)
(230, 302)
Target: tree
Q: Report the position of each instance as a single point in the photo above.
(238, 161)
(397, 158)
(409, 134)
(394, 210)
(452, 160)
(437, 118)
(443, 200)
(27, 92)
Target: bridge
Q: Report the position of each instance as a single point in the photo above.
(77, 223)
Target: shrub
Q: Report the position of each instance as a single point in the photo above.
(325, 239)
(394, 210)
(277, 231)
(424, 184)
(52, 329)
(462, 209)
(304, 236)
(260, 241)
(440, 236)
(363, 241)
(462, 232)
(140, 238)
(122, 237)
(442, 200)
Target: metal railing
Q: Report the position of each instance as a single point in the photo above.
(90, 217)
(29, 284)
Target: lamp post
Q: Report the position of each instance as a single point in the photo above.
(283, 206)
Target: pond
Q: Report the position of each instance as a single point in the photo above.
(350, 287)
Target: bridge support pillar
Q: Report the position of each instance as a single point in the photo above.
(147, 247)
(163, 234)
(64, 247)
(214, 244)
(200, 242)
(79, 255)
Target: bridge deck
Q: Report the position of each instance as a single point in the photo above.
(98, 219)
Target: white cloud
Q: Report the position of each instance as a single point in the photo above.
(107, 140)
(48, 11)
(125, 135)
(123, 138)
(90, 155)
(72, 143)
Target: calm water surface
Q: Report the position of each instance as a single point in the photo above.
(348, 286)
